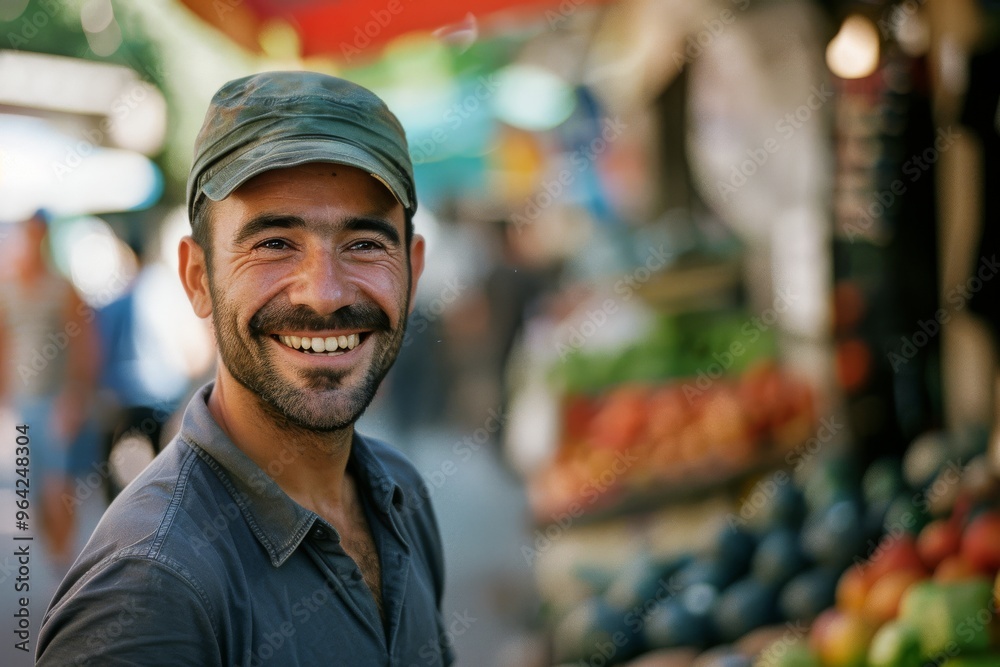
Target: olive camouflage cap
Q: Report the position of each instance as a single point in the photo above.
(282, 119)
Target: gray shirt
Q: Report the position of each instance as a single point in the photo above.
(204, 560)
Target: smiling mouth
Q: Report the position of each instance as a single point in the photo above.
(327, 346)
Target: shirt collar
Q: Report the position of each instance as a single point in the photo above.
(279, 523)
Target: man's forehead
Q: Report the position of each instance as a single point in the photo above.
(320, 179)
(325, 198)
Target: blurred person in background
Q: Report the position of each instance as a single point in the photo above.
(145, 373)
(52, 363)
(516, 288)
(269, 529)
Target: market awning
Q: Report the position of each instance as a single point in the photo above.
(354, 28)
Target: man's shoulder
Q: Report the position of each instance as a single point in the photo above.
(167, 516)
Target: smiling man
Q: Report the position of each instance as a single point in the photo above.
(269, 531)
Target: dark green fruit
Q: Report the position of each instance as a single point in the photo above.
(906, 514)
(883, 481)
(807, 595)
(779, 557)
(645, 578)
(733, 550)
(744, 606)
(835, 536)
(670, 624)
(591, 625)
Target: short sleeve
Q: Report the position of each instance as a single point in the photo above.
(133, 611)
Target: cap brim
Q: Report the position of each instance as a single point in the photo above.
(290, 153)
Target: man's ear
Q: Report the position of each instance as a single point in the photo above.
(194, 276)
(417, 247)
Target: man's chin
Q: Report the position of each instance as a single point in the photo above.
(319, 410)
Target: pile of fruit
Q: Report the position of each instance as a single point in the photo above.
(931, 599)
(683, 430)
(823, 567)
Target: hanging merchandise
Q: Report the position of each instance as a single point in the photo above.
(887, 313)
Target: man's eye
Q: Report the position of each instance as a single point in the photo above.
(273, 244)
(365, 245)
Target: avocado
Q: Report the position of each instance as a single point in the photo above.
(734, 549)
(808, 594)
(704, 571)
(744, 606)
(883, 481)
(835, 536)
(645, 578)
(670, 624)
(592, 625)
(907, 513)
(779, 557)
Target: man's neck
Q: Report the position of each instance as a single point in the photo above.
(309, 466)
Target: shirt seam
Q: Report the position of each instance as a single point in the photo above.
(277, 554)
(172, 507)
(180, 572)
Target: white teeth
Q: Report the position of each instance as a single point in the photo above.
(328, 345)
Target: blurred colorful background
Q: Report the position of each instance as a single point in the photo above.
(701, 371)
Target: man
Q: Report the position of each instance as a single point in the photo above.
(268, 531)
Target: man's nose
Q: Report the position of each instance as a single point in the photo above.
(321, 283)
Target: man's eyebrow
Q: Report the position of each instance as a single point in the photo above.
(266, 221)
(371, 224)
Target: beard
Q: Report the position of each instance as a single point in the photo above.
(317, 399)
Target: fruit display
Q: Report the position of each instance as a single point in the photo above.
(638, 439)
(831, 567)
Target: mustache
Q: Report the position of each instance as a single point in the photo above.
(275, 316)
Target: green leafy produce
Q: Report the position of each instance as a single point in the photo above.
(679, 346)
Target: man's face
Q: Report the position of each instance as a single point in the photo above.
(310, 284)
